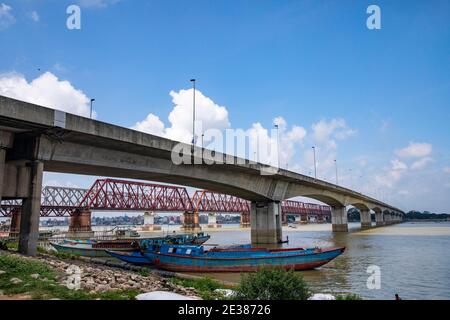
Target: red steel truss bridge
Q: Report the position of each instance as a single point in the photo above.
(121, 195)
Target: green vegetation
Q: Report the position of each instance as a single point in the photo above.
(204, 286)
(426, 215)
(272, 284)
(46, 285)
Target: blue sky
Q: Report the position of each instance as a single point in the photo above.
(304, 61)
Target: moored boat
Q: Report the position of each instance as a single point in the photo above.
(97, 248)
(134, 257)
(195, 259)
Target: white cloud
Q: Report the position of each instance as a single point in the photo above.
(420, 164)
(328, 132)
(391, 174)
(34, 16)
(7, 19)
(46, 90)
(446, 169)
(415, 150)
(152, 125)
(209, 115)
(398, 165)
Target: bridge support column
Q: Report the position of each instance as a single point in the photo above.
(245, 220)
(80, 224)
(304, 219)
(149, 222)
(366, 220)
(379, 219)
(191, 222)
(14, 228)
(212, 221)
(297, 219)
(31, 207)
(387, 219)
(265, 222)
(339, 219)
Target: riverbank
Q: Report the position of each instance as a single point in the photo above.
(49, 277)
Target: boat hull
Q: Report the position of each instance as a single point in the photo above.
(179, 263)
(135, 257)
(85, 252)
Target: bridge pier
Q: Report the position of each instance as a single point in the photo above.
(265, 220)
(149, 222)
(304, 218)
(31, 207)
(387, 219)
(212, 221)
(366, 220)
(80, 224)
(191, 222)
(379, 219)
(14, 228)
(245, 219)
(339, 219)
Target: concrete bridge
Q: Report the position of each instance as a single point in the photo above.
(35, 138)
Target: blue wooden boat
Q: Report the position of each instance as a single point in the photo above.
(187, 258)
(138, 257)
(94, 248)
(135, 257)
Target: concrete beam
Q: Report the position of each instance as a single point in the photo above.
(366, 221)
(339, 219)
(29, 224)
(265, 220)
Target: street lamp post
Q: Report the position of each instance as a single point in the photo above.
(351, 178)
(193, 113)
(278, 145)
(335, 165)
(315, 166)
(92, 100)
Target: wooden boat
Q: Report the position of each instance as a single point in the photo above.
(134, 257)
(95, 248)
(138, 257)
(187, 258)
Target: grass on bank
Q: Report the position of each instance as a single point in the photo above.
(46, 286)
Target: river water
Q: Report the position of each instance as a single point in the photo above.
(414, 258)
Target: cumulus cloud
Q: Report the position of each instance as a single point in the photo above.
(415, 150)
(152, 125)
(46, 90)
(420, 164)
(209, 115)
(329, 131)
(7, 18)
